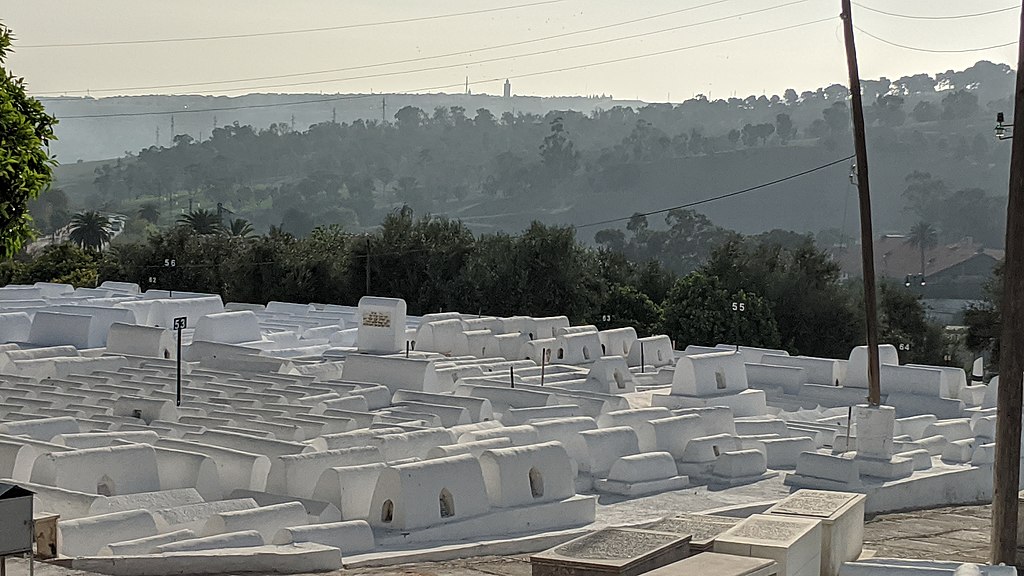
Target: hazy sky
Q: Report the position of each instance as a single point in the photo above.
(802, 58)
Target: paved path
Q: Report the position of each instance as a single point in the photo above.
(960, 533)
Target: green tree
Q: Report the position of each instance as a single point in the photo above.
(699, 310)
(26, 168)
(984, 319)
(90, 230)
(150, 212)
(625, 306)
(201, 221)
(923, 237)
(557, 152)
(240, 227)
(902, 321)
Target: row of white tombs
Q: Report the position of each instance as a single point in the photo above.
(363, 429)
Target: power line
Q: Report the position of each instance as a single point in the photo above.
(934, 51)
(458, 84)
(515, 56)
(590, 224)
(956, 17)
(405, 61)
(719, 197)
(287, 32)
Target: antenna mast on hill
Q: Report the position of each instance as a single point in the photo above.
(383, 110)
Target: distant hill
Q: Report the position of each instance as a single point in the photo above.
(499, 163)
(103, 138)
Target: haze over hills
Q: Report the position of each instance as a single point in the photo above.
(498, 163)
(104, 138)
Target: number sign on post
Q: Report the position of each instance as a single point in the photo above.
(180, 323)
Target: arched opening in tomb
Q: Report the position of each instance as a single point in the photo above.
(586, 353)
(167, 354)
(412, 344)
(620, 382)
(483, 351)
(625, 349)
(536, 483)
(561, 353)
(106, 487)
(660, 359)
(604, 351)
(387, 511)
(715, 450)
(720, 379)
(530, 335)
(447, 503)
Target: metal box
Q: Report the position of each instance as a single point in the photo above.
(16, 533)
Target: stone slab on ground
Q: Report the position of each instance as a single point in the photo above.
(612, 551)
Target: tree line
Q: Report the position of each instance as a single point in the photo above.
(775, 290)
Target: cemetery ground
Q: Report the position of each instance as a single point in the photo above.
(959, 533)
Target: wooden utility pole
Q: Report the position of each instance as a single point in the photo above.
(1006, 472)
(867, 242)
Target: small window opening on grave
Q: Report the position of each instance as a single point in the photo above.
(720, 379)
(660, 359)
(105, 487)
(387, 511)
(483, 351)
(715, 449)
(413, 344)
(625, 349)
(531, 335)
(586, 353)
(447, 503)
(620, 382)
(167, 354)
(561, 353)
(137, 414)
(536, 483)
(604, 351)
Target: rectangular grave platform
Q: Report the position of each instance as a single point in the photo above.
(793, 542)
(612, 552)
(842, 523)
(712, 564)
(702, 528)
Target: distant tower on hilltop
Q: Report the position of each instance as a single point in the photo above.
(508, 89)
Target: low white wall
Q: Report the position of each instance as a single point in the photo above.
(410, 494)
(266, 520)
(118, 470)
(351, 537)
(522, 475)
(87, 536)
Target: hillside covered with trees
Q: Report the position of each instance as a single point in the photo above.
(501, 172)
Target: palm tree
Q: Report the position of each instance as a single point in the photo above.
(924, 237)
(90, 230)
(240, 227)
(202, 221)
(150, 212)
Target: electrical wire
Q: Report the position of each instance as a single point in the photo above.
(395, 62)
(720, 196)
(288, 32)
(934, 51)
(427, 89)
(610, 221)
(956, 17)
(514, 56)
